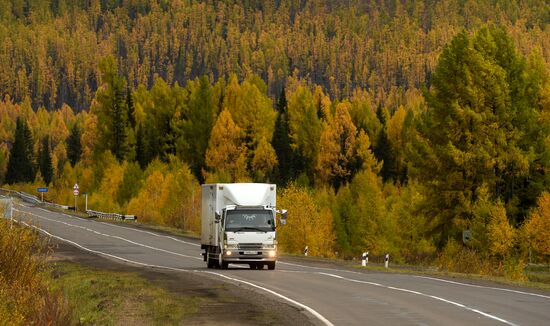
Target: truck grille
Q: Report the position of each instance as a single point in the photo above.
(250, 246)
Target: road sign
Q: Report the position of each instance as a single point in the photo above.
(42, 189)
(75, 187)
(75, 192)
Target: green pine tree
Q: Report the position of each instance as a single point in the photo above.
(281, 143)
(21, 162)
(141, 149)
(74, 147)
(45, 161)
(383, 150)
(111, 111)
(197, 125)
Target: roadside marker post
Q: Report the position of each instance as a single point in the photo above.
(386, 260)
(365, 259)
(86, 196)
(306, 249)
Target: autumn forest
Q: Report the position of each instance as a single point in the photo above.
(391, 126)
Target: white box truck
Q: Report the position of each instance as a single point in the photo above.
(239, 224)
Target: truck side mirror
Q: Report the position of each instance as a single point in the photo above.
(218, 217)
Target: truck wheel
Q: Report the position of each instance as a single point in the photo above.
(210, 263)
(252, 266)
(225, 265)
(271, 266)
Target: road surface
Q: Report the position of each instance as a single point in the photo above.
(327, 295)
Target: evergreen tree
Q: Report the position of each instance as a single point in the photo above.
(383, 150)
(112, 113)
(197, 125)
(74, 146)
(162, 106)
(141, 149)
(480, 115)
(45, 161)
(119, 115)
(131, 108)
(281, 143)
(21, 162)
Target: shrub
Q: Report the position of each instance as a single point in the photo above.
(24, 291)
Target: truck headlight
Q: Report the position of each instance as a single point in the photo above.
(269, 246)
(272, 253)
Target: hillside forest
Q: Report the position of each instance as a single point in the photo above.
(388, 126)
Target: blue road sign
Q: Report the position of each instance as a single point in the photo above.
(42, 189)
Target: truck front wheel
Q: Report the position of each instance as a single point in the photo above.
(271, 265)
(209, 261)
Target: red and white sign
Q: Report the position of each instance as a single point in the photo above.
(75, 189)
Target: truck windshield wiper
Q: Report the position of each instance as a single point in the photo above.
(244, 228)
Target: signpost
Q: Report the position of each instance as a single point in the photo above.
(75, 192)
(86, 195)
(42, 191)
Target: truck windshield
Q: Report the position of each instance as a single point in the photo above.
(249, 220)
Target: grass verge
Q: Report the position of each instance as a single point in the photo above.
(99, 297)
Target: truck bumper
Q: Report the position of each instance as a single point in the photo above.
(238, 256)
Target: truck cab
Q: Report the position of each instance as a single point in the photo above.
(250, 236)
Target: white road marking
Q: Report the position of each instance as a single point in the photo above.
(424, 277)
(294, 302)
(310, 310)
(319, 268)
(123, 227)
(111, 236)
(152, 233)
(424, 295)
(482, 287)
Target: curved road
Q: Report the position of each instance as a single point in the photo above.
(329, 296)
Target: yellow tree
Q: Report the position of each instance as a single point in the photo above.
(88, 137)
(108, 189)
(499, 231)
(264, 160)
(395, 136)
(150, 200)
(226, 154)
(536, 229)
(340, 148)
(307, 224)
(305, 128)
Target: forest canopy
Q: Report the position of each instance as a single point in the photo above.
(51, 49)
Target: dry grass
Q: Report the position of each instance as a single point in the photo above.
(25, 295)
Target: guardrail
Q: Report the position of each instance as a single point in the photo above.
(31, 199)
(111, 216)
(34, 200)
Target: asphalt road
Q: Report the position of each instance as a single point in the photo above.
(328, 295)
